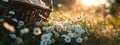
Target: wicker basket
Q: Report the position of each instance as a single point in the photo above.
(29, 13)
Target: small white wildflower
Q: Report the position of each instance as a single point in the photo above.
(72, 35)
(50, 34)
(2, 20)
(50, 41)
(9, 16)
(59, 27)
(56, 33)
(43, 42)
(44, 23)
(51, 23)
(46, 37)
(14, 19)
(85, 38)
(51, 28)
(36, 31)
(13, 36)
(19, 40)
(64, 35)
(44, 28)
(5, 0)
(67, 39)
(11, 12)
(68, 23)
(38, 23)
(24, 31)
(79, 40)
(21, 23)
(53, 41)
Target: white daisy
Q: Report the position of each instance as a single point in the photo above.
(59, 27)
(79, 40)
(43, 42)
(56, 33)
(67, 39)
(11, 12)
(64, 35)
(9, 16)
(19, 40)
(14, 19)
(44, 28)
(85, 38)
(13, 36)
(1, 19)
(72, 35)
(44, 23)
(53, 41)
(51, 22)
(46, 37)
(21, 23)
(24, 31)
(36, 31)
(49, 41)
(38, 23)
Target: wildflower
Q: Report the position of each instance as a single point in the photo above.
(79, 40)
(72, 35)
(51, 28)
(67, 23)
(44, 23)
(21, 23)
(38, 23)
(59, 27)
(19, 40)
(9, 16)
(44, 28)
(11, 12)
(85, 38)
(37, 31)
(56, 33)
(67, 39)
(9, 27)
(49, 41)
(5, 0)
(14, 19)
(51, 23)
(53, 41)
(43, 42)
(24, 31)
(46, 37)
(13, 36)
(2, 19)
(64, 35)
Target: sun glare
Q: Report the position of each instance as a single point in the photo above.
(93, 2)
(90, 2)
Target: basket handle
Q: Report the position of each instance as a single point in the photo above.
(50, 4)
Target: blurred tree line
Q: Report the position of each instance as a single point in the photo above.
(67, 3)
